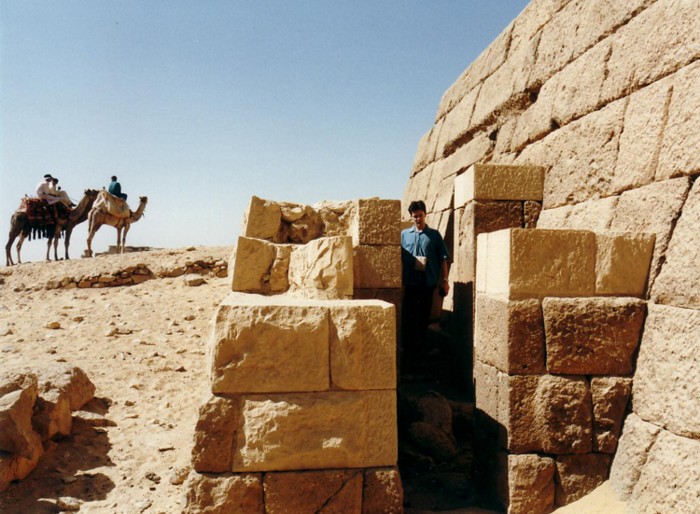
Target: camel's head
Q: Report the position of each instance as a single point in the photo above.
(92, 193)
(143, 199)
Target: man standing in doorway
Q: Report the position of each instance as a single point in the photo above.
(424, 258)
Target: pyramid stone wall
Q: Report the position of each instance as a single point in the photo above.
(604, 96)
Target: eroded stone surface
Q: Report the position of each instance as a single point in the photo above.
(528, 484)
(323, 492)
(382, 491)
(610, 396)
(488, 182)
(622, 263)
(322, 268)
(578, 475)
(377, 222)
(214, 435)
(18, 392)
(377, 266)
(223, 493)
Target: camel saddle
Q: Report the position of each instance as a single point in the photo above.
(114, 205)
(39, 211)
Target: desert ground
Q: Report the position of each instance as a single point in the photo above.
(143, 346)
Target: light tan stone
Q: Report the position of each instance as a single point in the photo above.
(670, 478)
(522, 263)
(478, 149)
(300, 224)
(322, 492)
(526, 483)
(456, 124)
(641, 138)
(682, 130)
(636, 439)
(52, 417)
(322, 268)
(376, 266)
(547, 413)
(214, 434)
(425, 153)
(377, 222)
(382, 491)
(337, 217)
(486, 390)
(223, 494)
(578, 475)
(592, 336)
(260, 344)
(652, 209)
(610, 396)
(300, 431)
(18, 392)
(622, 263)
(262, 219)
(509, 335)
(638, 59)
(555, 218)
(251, 265)
(417, 187)
(678, 282)
(499, 182)
(363, 345)
(666, 388)
(595, 215)
(482, 262)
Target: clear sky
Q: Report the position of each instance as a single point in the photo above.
(201, 104)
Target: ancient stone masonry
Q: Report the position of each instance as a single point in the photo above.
(610, 113)
(302, 412)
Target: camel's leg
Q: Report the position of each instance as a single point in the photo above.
(66, 241)
(19, 248)
(126, 229)
(120, 248)
(8, 249)
(93, 226)
(48, 248)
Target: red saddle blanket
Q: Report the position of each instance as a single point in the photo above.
(38, 211)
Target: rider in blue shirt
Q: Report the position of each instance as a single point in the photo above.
(115, 188)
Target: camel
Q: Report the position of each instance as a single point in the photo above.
(100, 214)
(22, 226)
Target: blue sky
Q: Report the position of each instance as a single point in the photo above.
(201, 104)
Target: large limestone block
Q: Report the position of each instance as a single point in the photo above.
(425, 153)
(72, 380)
(610, 396)
(269, 344)
(362, 345)
(509, 335)
(382, 491)
(524, 263)
(670, 478)
(595, 215)
(498, 182)
(678, 282)
(52, 416)
(637, 59)
(668, 370)
(486, 381)
(300, 224)
(251, 265)
(223, 494)
(652, 209)
(550, 414)
(642, 136)
(18, 392)
(336, 429)
(377, 222)
(376, 266)
(682, 129)
(322, 268)
(622, 263)
(578, 475)
(456, 124)
(337, 217)
(322, 492)
(592, 336)
(637, 438)
(214, 435)
(417, 187)
(262, 219)
(526, 483)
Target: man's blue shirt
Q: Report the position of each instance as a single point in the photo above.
(427, 243)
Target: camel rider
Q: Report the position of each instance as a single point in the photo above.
(115, 189)
(45, 190)
(61, 194)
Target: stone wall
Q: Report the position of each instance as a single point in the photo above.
(605, 96)
(302, 366)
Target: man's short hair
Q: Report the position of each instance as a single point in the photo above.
(416, 205)
(48, 176)
(114, 178)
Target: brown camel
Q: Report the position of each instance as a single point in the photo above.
(100, 215)
(22, 226)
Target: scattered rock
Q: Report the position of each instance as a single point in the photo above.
(194, 280)
(68, 504)
(153, 477)
(54, 325)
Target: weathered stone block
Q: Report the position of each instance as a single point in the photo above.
(251, 265)
(622, 263)
(499, 182)
(17, 467)
(592, 336)
(18, 392)
(486, 390)
(578, 475)
(382, 491)
(260, 343)
(678, 282)
(262, 219)
(328, 491)
(547, 413)
(610, 396)
(223, 494)
(363, 345)
(52, 415)
(377, 222)
(637, 438)
(322, 268)
(522, 263)
(670, 478)
(668, 370)
(682, 129)
(425, 153)
(526, 483)
(509, 335)
(531, 213)
(214, 435)
(336, 429)
(377, 266)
